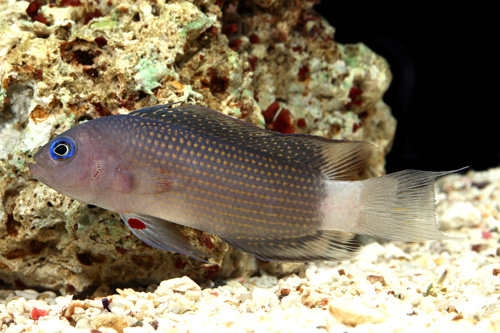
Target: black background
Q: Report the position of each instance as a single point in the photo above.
(445, 79)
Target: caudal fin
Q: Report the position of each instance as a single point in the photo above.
(400, 206)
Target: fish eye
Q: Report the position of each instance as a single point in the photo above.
(62, 148)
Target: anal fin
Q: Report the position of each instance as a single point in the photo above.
(162, 235)
(319, 246)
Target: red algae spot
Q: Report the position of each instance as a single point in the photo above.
(212, 31)
(284, 122)
(210, 271)
(136, 224)
(355, 96)
(356, 126)
(121, 250)
(92, 72)
(207, 241)
(297, 48)
(39, 74)
(179, 263)
(486, 234)
(254, 38)
(256, 96)
(101, 41)
(301, 122)
(33, 13)
(253, 62)
(102, 110)
(20, 284)
(217, 84)
(70, 3)
(270, 112)
(229, 29)
(303, 73)
(92, 15)
(281, 36)
(36, 313)
(234, 43)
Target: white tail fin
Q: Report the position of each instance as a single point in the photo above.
(400, 206)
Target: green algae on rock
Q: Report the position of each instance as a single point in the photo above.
(92, 60)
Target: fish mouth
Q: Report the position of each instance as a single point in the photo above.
(37, 172)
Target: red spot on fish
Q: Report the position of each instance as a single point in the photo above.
(202, 57)
(355, 96)
(92, 15)
(356, 126)
(136, 224)
(36, 313)
(101, 41)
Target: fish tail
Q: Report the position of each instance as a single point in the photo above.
(400, 206)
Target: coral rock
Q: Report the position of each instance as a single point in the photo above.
(67, 62)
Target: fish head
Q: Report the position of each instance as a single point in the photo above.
(80, 163)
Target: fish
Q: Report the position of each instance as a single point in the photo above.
(279, 197)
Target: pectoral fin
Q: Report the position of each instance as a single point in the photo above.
(162, 234)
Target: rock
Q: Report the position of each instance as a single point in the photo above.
(460, 214)
(351, 314)
(180, 285)
(111, 320)
(60, 66)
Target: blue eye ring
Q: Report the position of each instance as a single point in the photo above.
(62, 148)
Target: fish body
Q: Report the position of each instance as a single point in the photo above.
(278, 197)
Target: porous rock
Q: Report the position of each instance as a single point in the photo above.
(270, 63)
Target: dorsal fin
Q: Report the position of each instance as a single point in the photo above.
(339, 160)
